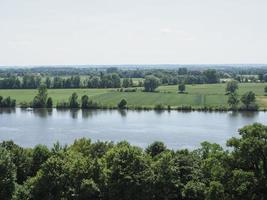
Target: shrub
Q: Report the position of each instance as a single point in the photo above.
(122, 104)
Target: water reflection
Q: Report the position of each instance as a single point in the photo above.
(87, 113)
(122, 113)
(74, 113)
(7, 110)
(159, 112)
(42, 112)
(243, 114)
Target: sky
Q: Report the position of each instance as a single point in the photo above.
(67, 32)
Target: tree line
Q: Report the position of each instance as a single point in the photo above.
(109, 79)
(107, 171)
(32, 82)
(170, 76)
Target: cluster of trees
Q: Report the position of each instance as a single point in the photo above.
(27, 82)
(41, 100)
(168, 75)
(31, 81)
(107, 171)
(74, 102)
(248, 99)
(7, 102)
(111, 77)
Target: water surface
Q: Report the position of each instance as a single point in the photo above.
(175, 129)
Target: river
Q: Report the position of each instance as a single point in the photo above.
(176, 129)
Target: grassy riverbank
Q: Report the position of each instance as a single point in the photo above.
(210, 95)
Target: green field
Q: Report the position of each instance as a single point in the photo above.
(197, 95)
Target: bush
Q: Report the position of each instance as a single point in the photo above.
(25, 104)
(49, 103)
(159, 107)
(62, 105)
(122, 104)
(7, 102)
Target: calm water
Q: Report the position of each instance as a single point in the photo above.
(175, 129)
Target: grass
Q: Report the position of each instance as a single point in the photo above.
(197, 95)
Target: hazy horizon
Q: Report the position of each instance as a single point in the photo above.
(123, 32)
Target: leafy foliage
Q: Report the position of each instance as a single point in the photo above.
(107, 171)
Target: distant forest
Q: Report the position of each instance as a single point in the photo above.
(114, 77)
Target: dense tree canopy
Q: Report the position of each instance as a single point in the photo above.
(107, 171)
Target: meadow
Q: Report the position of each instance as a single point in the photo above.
(196, 95)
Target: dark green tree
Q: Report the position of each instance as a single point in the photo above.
(181, 87)
(73, 101)
(7, 175)
(194, 190)
(151, 83)
(248, 99)
(233, 101)
(250, 155)
(211, 76)
(39, 155)
(122, 104)
(215, 191)
(231, 86)
(156, 148)
(265, 90)
(85, 102)
(128, 173)
(40, 99)
(49, 102)
(48, 82)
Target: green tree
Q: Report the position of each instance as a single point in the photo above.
(49, 102)
(40, 99)
(194, 190)
(233, 101)
(7, 102)
(128, 173)
(181, 87)
(85, 102)
(215, 191)
(248, 99)
(151, 83)
(249, 153)
(48, 82)
(21, 157)
(39, 155)
(231, 86)
(211, 76)
(94, 82)
(156, 148)
(7, 175)
(126, 83)
(122, 104)
(73, 101)
(244, 185)
(265, 90)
